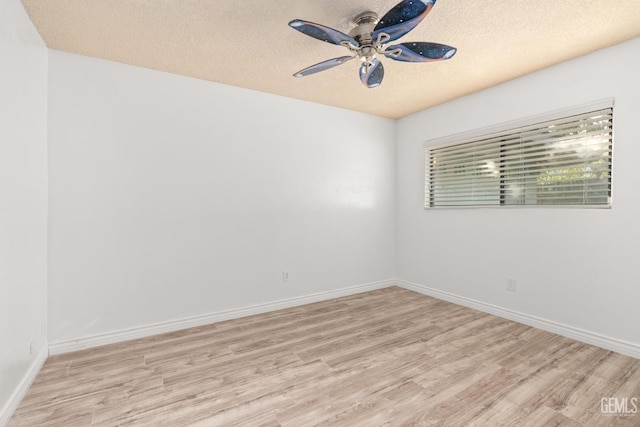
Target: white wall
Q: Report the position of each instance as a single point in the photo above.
(173, 197)
(575, 267)
(23, 198)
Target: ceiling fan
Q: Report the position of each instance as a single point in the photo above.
(370, 36)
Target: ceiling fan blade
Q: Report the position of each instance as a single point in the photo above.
(403, 18)
(372, 76)
(321, 32)
(420, 52)
(324, 65)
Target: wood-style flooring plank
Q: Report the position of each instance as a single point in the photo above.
(388, 357)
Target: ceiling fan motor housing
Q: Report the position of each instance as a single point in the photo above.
(365, 24)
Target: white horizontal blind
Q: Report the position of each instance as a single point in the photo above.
(562, 162)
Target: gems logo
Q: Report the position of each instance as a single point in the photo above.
(619, 405)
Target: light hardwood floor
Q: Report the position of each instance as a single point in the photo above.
(388, 357)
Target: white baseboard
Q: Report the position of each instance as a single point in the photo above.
(10, 407)
(66, 346)
(619, 346)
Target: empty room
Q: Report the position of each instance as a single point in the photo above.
(355, 213)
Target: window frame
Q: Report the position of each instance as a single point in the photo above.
(465, 137)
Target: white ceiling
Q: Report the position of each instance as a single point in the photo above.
(249, 44)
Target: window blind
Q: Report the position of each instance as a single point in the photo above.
(561, 162)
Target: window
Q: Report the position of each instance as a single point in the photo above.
(563, 161)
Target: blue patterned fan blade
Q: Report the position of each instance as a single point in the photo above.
(420, 52)
(372, 76)
(321, 32)
(403, 17)
(324, 65)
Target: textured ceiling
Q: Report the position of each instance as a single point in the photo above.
(249, 44)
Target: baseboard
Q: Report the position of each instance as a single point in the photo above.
(10, 407)
(619, 346)
(66, 346)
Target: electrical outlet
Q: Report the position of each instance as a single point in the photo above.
(512, 285)
(32, 348)
(285, 276)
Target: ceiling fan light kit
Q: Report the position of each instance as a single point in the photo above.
(368, 40)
